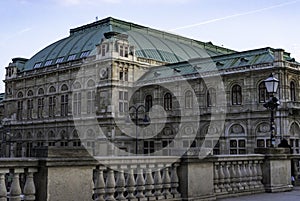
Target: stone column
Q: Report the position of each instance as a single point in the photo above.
(196, 187)
(276, 169)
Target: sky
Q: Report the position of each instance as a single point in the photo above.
(27, 26)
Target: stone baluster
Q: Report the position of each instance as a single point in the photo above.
(244, 176)
(15, 189)
(149, 185)
(140, 184)
(216, 178)
(254, 176)
(158, 184)
(227, 177)
(174, 181)
(259, 174)
(233, 177)
(120, 185)
(110, 186)
(99, 189)
(221, 178)
(130, 183)
(250, 175)
(166, 180)
(29, 188)
(3, 192)
(239, 176)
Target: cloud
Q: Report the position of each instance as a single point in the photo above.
(235, 15)
(16, 34)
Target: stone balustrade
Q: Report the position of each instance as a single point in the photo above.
(17, 179)
(149, 178)
(143, 178)
(238, 174)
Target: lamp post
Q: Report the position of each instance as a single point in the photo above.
(271, 84)
(136, 121)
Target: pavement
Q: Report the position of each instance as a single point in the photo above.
(293, 195)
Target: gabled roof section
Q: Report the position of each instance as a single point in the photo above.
(221, 62)
(149, 43)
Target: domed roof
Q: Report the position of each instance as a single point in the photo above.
(149, 43)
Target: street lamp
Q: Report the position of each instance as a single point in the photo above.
(271, 84)
(136, 121)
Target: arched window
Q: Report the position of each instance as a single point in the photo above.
(262, 93)
(40, 91)
(293, 91)
(91, 83)
(148, 103)
(211, 97)
(188, 99)
(236, 95)
(29, 93)
(64, 88)
(168, 101)
(52, 89)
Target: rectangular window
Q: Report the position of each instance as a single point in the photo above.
(90, 102)
(103, 50)
(123, 74)
(52, 102)
(40, 107)
(77, 103)
(123, 101)
(238, 146)
(148, 147)
(29, 108)
(20, 110)
(64, 105)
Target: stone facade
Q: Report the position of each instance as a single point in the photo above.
(85, 101)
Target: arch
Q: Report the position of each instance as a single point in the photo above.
(30, 93)
(52, 89)
(90, 83)
(77, 85)
(294, 130)
(51, 134)
(262, 129)
(40, 135)
(40, 91)
(90, 134)
(236, 130)
(29, 135)
(64, 135)
(20, 94)
(64, 87)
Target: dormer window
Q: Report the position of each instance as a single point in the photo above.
(37, 65)
(59, 60)
(123, 51)
(84, 54)
(71, 57)
(48, 63)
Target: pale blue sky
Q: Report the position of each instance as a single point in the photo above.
(27, 26)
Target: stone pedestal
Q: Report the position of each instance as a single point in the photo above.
(276, 169)
(196, 178)
(65, 175)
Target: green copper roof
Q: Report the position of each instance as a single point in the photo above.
(221, 62)
(149, 43)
